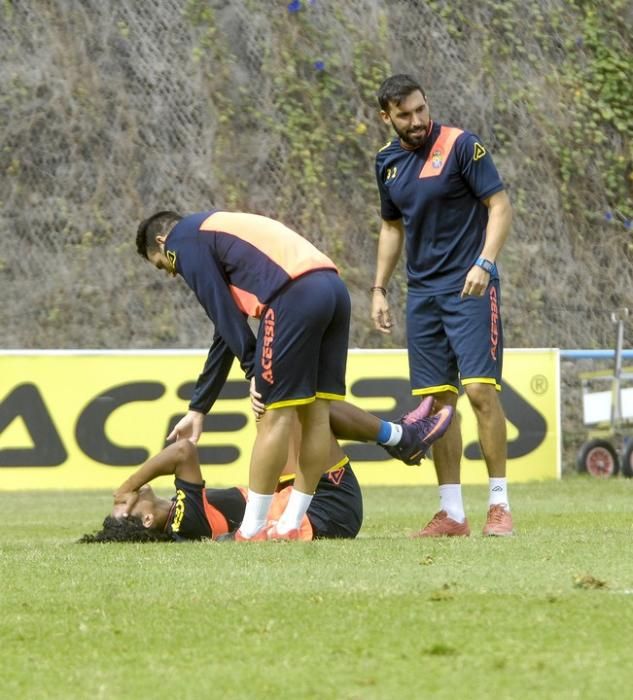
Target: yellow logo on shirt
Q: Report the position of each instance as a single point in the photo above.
(479, 151)
(179, 510)
(171, 259)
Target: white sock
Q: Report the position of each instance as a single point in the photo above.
(389, 434)
(451, 502)
(296, 508)
(498, 494)
(256, 513)
(396, 434)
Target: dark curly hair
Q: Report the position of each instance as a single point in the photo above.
(130, 529)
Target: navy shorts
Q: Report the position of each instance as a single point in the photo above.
(452, 339)
(302, 341)
(336, 509)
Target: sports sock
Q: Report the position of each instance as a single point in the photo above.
(296, 508)
(256, 513)
(451, 502)
(389, 433)
(498, 494)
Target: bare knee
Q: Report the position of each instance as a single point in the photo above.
(316, 413)
(278, 418)
(484, 398)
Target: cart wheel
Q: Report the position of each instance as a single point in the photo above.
(598, 458)
(627, 459)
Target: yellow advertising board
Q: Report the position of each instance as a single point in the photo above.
(87, 420)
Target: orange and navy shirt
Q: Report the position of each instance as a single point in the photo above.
(199, 513)
(204, 513)
(437, 191)
(235, 263)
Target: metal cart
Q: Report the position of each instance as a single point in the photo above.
(608, 413)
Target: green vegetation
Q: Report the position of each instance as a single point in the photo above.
(545, 614)
(565, 68)
(597, 79)
(111, 113)
(317, 121)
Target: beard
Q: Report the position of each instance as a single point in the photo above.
(412, 138)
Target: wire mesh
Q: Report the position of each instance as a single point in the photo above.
(109, 111)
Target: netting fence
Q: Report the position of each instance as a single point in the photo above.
(111, 110)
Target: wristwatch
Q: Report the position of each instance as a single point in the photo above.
(486, 265)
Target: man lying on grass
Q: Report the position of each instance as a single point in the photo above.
(197, 512)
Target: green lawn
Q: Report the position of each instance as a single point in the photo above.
(545, 614)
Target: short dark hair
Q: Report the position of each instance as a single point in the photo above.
(130, 529)
(396, 88)
(158, 224)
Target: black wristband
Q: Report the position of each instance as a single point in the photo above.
(379, 289)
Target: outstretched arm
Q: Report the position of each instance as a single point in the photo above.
(210, 382)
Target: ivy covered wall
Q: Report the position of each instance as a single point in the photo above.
(111, 110)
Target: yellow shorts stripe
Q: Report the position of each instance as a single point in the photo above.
(291, 402)
(303, 402)
(481, 380)
(434, 390)
(339, 465)
(330, 397)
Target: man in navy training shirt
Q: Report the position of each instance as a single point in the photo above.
(241, 265)
(441, 194)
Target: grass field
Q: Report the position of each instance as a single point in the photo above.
(545, 614)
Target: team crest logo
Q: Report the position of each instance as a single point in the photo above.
(437, 159)
(171, 260)
(479, 151)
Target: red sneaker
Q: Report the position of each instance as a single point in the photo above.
(443, 526)
(273, 534)
(260, 536)
(498, 521)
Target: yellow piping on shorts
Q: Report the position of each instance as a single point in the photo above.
(291, 402)
(330, 397)
(434, 390)
(481, 380)
(339, 465)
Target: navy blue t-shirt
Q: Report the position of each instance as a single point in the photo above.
(437, 191)
(235, 263)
